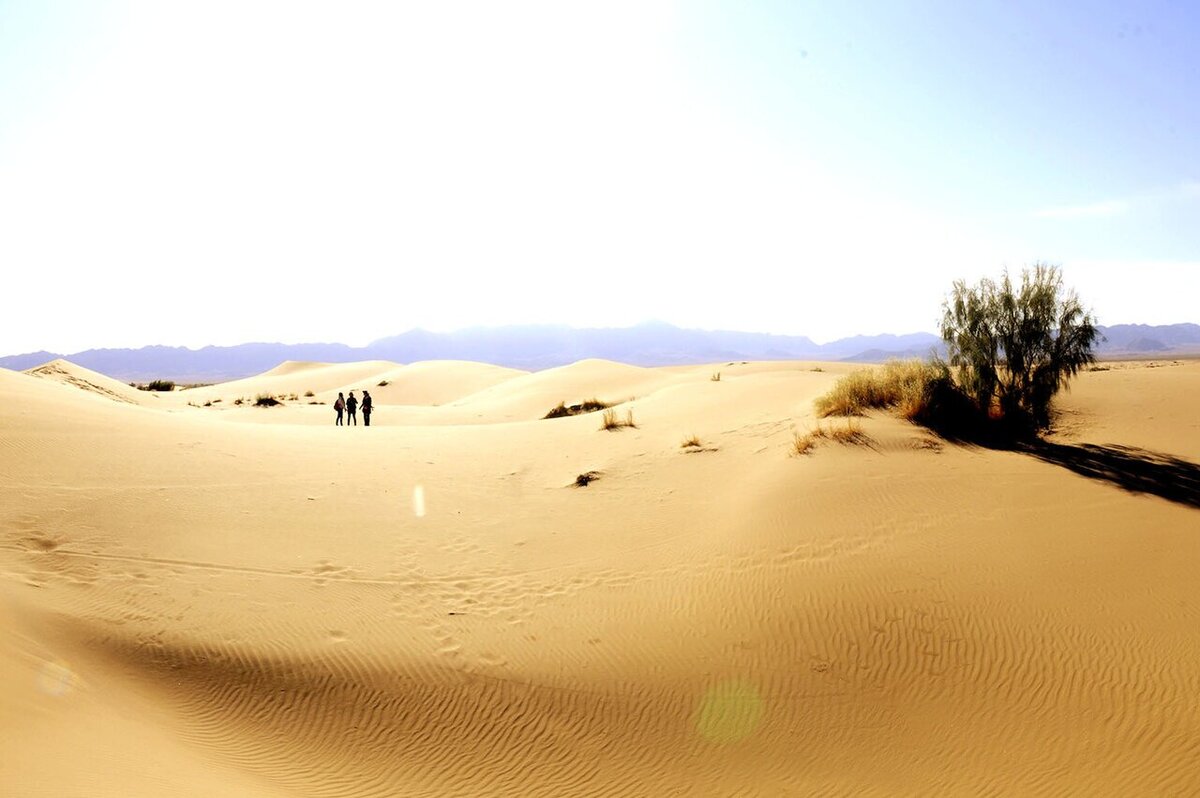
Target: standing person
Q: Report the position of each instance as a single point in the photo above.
(366, 408)
(339, 406)
(351, 410)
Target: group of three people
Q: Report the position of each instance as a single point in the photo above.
(351, 406)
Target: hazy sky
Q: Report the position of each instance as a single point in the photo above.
(221, 172)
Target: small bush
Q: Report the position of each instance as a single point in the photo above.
(611, 421)
(214, 401)
(383, 384)
(308, 394)
(209, 404)
(716, 377)
(562, 409)
(292, 397)
(266, 400)
(690, 443)
(585, 478)
(239, 401)
(160, 385)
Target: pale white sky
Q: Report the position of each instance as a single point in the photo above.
(216, 173)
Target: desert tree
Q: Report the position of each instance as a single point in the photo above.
(1013, 347)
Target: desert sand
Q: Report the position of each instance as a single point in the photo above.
(203, 598)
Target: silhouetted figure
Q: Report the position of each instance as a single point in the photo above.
(366, 408)
(352, 410)
(339, 406)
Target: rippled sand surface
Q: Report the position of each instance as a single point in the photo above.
(206, 598)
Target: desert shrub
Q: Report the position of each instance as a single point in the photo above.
(160, 385)
(716, 377)
(208, 404)
(1013, 348)
(562, 409)
(611, 422)
(583, 479)
(265, 400)
(692, 442)
(292, 397)
(214, 401)
(382, 384)
(239, 401)
(308, 394)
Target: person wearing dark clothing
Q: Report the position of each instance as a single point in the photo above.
(351, 410)
(366, 408)
(339, 406)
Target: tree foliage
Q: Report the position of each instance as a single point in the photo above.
(1013, 348)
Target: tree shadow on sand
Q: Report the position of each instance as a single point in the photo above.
(1128, 467)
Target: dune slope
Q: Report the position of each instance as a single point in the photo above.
(433, 607)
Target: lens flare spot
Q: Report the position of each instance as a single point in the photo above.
(419, 501)
(729, 712)
(56, 678)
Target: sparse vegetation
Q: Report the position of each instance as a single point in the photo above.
(382, 384)
(562, 409)
(308, 394)
(266, 400)
(692, 442)
(159, 385)
(1011, 349)
(293, 397)
(716, 377)
(849, 433)
(803, 444)
(585, 478)
(240, 400)
(611, 421)
(214, 401)
(209, 403)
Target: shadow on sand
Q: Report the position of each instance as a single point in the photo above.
(1135, 470)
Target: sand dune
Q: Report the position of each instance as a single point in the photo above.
(431, 607)
(93, 383)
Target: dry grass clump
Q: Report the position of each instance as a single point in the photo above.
(716, 377)
(309, 394)
(803, 444)
(907, 385)
(692, 442)
(266, 400)
(849, 433)
(611, 422)
(562, 409)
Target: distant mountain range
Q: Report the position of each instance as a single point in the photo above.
(544, 346)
